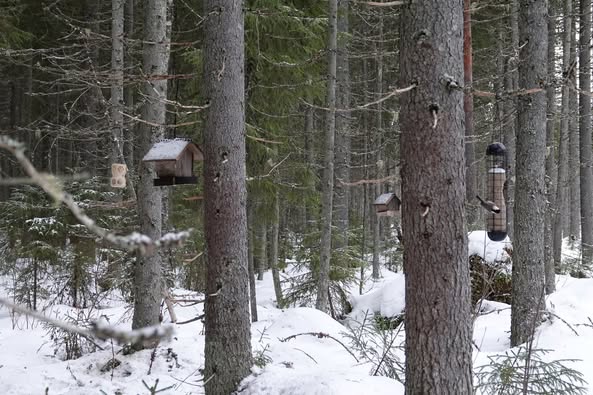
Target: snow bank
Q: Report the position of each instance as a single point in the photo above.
(387, 299)
(490, 251)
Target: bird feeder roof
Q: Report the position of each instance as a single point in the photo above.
(171, 150)
(385, 198)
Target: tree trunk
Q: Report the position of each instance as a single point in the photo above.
(585, 149)
(551, 170)
(528, 255)
(227, 324)
(562, 209)
(251, 263)
(148, 281)
(510, 107)
(328, 171)
(468, 107)
(377, 146)
(438, 310)
(263, 247)
(117, 90)
(342, 173)
(129, 135)
(274, 252)
(573, 161)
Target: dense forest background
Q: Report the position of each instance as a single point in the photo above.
(86, 84)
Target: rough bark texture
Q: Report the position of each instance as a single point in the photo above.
(551, 170)
(328, 171)
(468, 107)
(148, 271)
(585, 149)
(342, 172)
(561, 214)
(530, 205)
(438, 323)
(227, 325)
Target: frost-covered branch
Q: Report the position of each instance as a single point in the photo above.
(133, 242)
(100, 329)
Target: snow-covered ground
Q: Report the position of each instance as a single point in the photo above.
(303, 365)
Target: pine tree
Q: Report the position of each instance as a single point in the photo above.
(437, 319)
(227, 322)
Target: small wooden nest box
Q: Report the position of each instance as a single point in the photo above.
(387, 205)
(173, 161)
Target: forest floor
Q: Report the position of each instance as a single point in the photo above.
(306, 364)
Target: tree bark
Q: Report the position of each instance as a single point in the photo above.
(148, 281)
(573, 161)
(328, 171)
(510, 106)
(263, 247)
(468, 107)
(585, 148)
(561, 215)
(227, 323)
(528, 254)
(438, 310)
(342, 144)
(377, 146)
(251, 263)
(551, 170)
(129, 135)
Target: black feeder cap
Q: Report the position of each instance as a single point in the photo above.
(497, 235)
(497, 149)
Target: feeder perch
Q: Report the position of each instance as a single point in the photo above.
(387, 205)
(496, 223)
(173, 161)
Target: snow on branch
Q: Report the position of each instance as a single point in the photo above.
(133, 242)
(99, 329)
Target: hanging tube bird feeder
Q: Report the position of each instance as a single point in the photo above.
(496, 220)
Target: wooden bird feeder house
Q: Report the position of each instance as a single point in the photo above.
(496, 223)
(387, 205)
(173, 161)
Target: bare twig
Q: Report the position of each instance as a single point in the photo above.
(320, 335)
(192, 320)
(394, 92)
(372, 181)
(386, 4)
